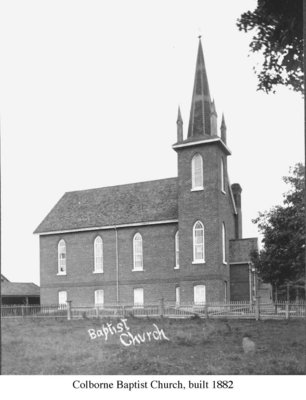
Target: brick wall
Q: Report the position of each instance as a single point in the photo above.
(159, 278)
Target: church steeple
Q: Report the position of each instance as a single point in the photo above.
(199, 121)
(223, 130)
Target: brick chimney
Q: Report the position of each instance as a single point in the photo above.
(236, 189)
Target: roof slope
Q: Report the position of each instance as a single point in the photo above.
(19, 289)
(113, 205)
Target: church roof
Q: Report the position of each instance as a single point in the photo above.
(140, 202)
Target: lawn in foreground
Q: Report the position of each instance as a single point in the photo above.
(195, 346)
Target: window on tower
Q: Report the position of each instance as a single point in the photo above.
(177, 251)
(223, 244)
(197, 172)
(222, 176)
(198, 243)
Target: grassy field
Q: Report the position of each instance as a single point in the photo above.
(55, 346)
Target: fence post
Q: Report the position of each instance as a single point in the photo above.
(287, 309)
(22, 311)
(97, 312)
(69, 310)
(206, 310)
(257, 308)
(275, 307)
(161, 308)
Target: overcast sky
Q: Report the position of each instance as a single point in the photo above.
(89, 92)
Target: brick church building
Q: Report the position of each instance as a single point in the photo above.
(178, 238)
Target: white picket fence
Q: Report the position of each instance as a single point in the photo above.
(238, 310)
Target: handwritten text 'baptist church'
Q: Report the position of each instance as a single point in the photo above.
(125, 335)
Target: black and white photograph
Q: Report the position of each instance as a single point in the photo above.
(153, 194)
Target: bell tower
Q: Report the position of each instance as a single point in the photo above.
(206, 206)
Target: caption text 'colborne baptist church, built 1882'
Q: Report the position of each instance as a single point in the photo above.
(179, 238)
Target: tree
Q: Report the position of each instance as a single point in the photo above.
(278, 26)
(282, 259)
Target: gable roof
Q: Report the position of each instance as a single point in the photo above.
(19, 289)
(113, 205)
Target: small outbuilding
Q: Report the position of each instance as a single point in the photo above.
(19, 293)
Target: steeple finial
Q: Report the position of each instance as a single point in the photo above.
(223, 129)
(199, 122)
(179, 124)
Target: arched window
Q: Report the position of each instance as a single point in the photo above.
(223, 244)
(137, 252)
(61, 257)
(222, 176)
(98, 254)
(177, 251)
(197, 172)
(198, 243)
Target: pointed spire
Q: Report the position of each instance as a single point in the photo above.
(223, 129)
(213, 119)
(179, 124)
(213, 108)
(199, 122)
(179, 116)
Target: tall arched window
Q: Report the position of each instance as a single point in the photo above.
(222, 176)
(223, 244)
(137, 252)
(61, 257)
(198, 242)
(197, 172)
(98, 254)
(177, 250)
